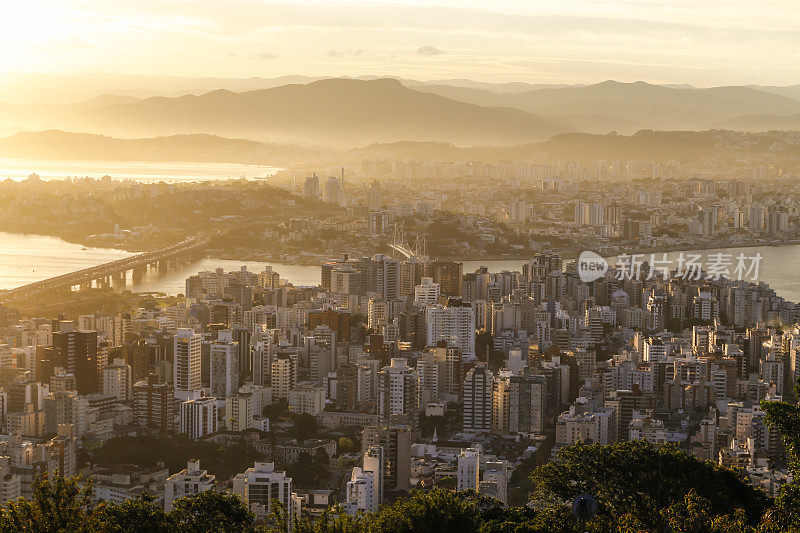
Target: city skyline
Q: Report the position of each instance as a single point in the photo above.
(400, 265)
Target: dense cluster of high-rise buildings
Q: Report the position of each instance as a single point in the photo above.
(440, 373)
(513, 208)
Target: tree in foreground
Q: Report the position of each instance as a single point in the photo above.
(435, 510)
(635, 481)
(58, 504)
(639, 487)
(332, 520)
(694, 515)
(139, 515)
(221, 512)
(785, 417)
(63, 505)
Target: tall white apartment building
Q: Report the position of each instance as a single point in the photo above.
(469, 463)
(365, 488)
(259, 486)
(375, 462)
(654, 350)
(190, 481)
(239, 411)
(428, 374)
(377, 313)
(581, 424)
(284, 376)
(427, 292)
(117, 380)
(386, 272)
(771, 370)
(307, 399)
(198, 417)
(187, 347)
(398, 399)
(518, 403)
(263, 353)
(224, 355)
(455, 324)
(360, 492)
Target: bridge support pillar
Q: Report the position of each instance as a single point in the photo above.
(120, 279)
(138, 273)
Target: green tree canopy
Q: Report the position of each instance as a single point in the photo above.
(305, 426)
(211, 511)
(785, 417)
(175, 451)
(434, 511)
(139, 515)
(642, 479)
(58, 504)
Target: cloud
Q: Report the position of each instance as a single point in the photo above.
(332, 53)
(267, 55)
(429, 50)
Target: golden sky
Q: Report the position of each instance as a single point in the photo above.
(702, 42)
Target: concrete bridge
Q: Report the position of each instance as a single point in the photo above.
(115, 272)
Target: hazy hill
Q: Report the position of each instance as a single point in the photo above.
(26, 88)
(628, 107)
(16, 117)
(644, 145)
(349, 112)
(507, 87)
(447, 151)
(56, 144)
(332, 111)
(686, 146)
(763, 123)
(790, 91)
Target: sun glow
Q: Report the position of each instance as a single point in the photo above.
(32, 32)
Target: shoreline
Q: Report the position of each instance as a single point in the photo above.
(316, 261)
(640, 251)
(513, 261)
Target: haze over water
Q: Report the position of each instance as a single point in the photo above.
(143, 171)
(28, 258)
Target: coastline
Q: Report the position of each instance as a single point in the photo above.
(265, 256)
(569, 255)
(293, 267)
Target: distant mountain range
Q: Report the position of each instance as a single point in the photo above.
(331, 111)
(55, 144)
(764, 122)
(628, 107)
(347, 112)
(685, 146)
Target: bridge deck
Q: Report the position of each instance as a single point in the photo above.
(79, 277)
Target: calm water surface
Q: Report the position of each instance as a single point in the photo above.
(28, 258)
(144, 171)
